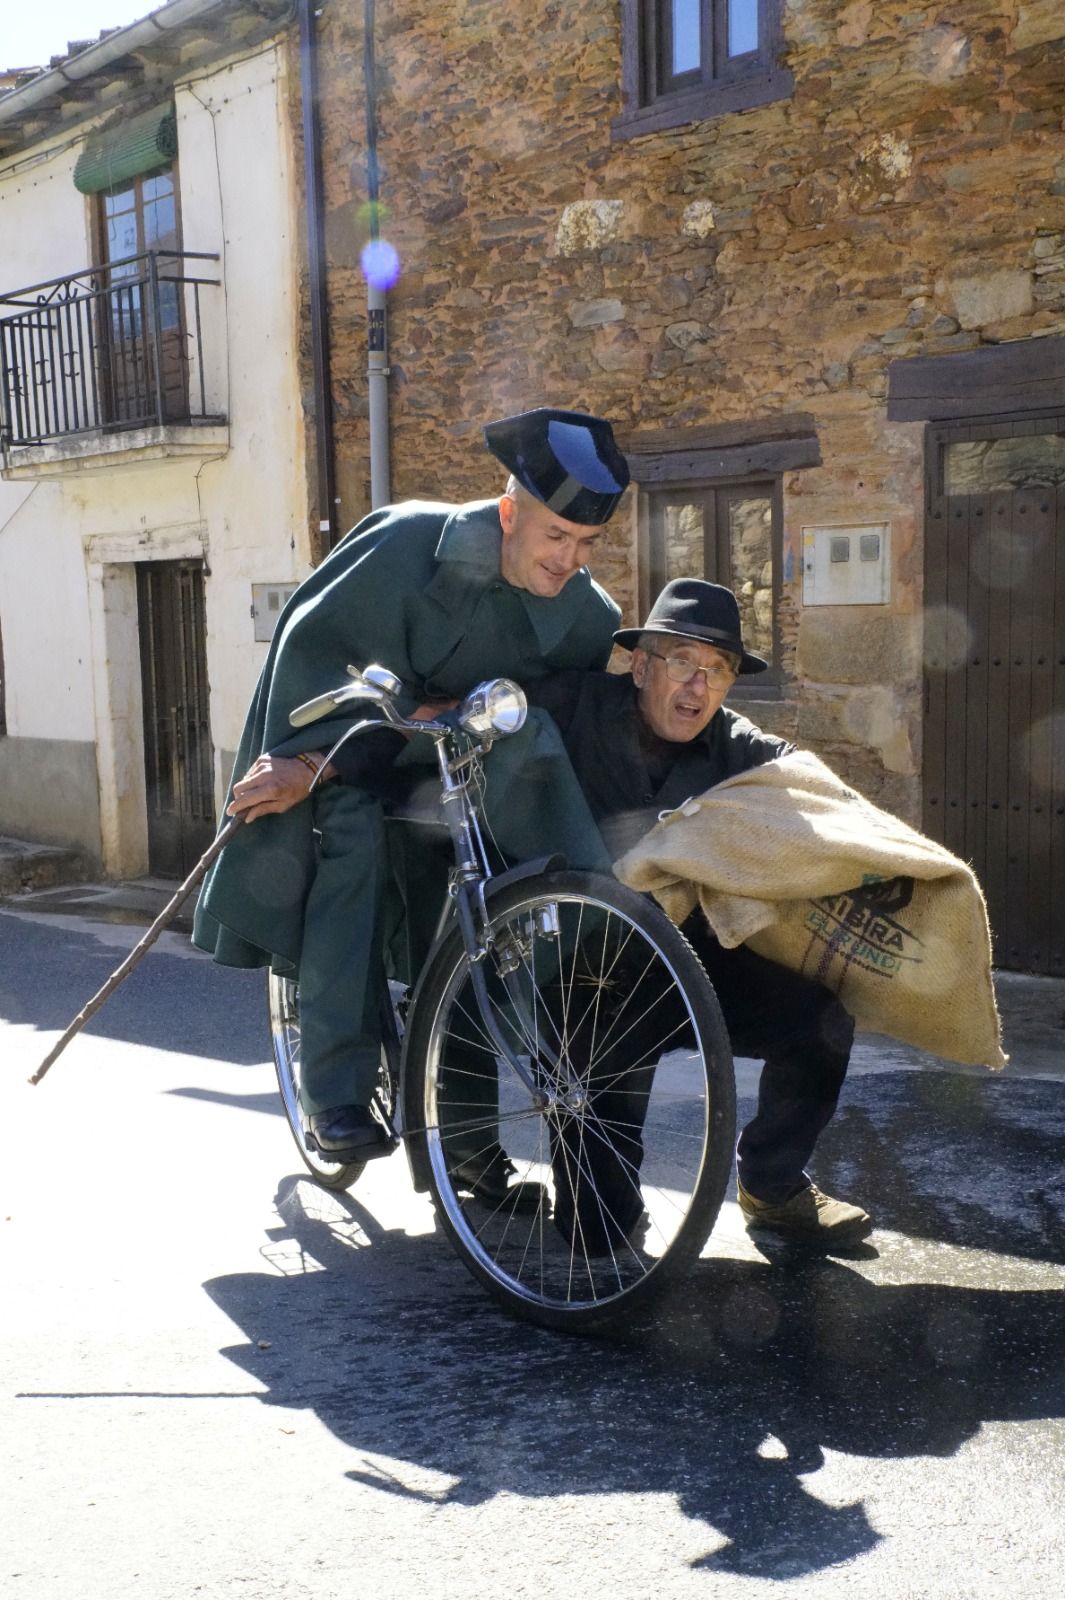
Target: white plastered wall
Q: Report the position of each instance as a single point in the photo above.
(68, 545)
(238, 187)
(44, 232)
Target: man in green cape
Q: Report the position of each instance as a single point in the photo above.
(443, 596)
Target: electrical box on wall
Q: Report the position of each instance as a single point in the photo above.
(846, 566)
(268, 600)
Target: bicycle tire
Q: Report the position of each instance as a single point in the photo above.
(283, 1003)
(597, 974)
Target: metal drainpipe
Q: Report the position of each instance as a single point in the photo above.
(312, 171)
(377, 369)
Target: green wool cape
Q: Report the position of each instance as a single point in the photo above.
(415, 588)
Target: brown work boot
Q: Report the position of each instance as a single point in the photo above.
(808, 1216)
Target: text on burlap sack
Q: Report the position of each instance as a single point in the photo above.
(861, 928)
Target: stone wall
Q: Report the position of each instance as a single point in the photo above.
(907, 199)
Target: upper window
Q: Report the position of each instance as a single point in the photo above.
(685, 60)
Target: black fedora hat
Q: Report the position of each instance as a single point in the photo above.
(690, 608)
(567, 459)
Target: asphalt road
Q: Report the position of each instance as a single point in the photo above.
(218, 1380)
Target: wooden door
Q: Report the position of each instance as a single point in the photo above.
(145, 369)
(994, 674)
(178, 758)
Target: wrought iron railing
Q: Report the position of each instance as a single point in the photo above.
(112, 347)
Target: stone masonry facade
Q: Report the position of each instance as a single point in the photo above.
(906, 199)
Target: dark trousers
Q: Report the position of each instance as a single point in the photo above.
(796, 1027)
(803, 1035)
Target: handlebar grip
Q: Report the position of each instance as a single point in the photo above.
(311, 710)
(322, 704)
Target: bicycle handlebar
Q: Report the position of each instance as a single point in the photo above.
(379, 686)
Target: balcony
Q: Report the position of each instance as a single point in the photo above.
(110, 365)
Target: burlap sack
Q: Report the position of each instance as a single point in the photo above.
(789, 860)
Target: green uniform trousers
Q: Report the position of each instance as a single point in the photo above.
(341, 969)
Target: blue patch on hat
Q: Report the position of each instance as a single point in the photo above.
(575, 448)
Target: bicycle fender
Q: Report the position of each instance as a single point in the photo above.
(524, 869)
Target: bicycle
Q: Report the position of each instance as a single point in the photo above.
(561, 1025)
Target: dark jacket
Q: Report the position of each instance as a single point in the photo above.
(627, 774)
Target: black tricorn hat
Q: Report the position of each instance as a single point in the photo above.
(567, 459)
(689, 608)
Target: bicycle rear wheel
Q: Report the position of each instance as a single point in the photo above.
(619, 1130)
(284, 1005)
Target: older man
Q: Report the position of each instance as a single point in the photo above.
(443, 596)
(646, 741)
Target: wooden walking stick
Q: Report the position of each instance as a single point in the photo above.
(165, 916)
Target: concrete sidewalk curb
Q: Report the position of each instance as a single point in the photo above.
(25, 866)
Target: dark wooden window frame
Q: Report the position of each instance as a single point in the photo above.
(653, 100)
(99, 206)
(965, 430)
(732, 455)
(763, 685)
(766, 685)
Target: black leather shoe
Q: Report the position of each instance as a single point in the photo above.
(347, 1133)
(490, 1177)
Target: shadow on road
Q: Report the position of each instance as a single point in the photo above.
(968, 1160)
(269, 1103)
(168, 1002)
(748, 1373)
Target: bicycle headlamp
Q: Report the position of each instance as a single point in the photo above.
(493, 709)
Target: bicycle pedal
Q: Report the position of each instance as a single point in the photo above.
(375, 1152)
(358, 1152)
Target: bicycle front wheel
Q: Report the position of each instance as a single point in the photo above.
(576, 1182)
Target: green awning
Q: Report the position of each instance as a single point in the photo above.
(142, 144)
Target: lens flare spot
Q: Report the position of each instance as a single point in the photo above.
(380, 264)
(947, 638)
(372, 218)
(1043, 752)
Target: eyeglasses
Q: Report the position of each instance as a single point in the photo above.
(679, 670)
